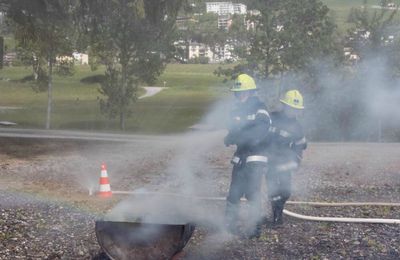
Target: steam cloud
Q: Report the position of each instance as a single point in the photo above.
(354, 103)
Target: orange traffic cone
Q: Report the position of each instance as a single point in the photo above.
(105, 188)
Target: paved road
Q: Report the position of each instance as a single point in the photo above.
(151, 91)
(80, 135)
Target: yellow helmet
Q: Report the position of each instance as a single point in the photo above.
(244, 83)
(294, 99)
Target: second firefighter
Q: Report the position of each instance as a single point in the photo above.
(285, 152)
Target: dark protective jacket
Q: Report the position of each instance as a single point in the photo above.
(248, 130)
(287, 142)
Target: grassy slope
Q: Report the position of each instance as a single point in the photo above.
(340, 10)
(191, 89)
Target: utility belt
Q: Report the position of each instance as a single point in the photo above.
(236, 160)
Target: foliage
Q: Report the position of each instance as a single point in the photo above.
(199, 60)
(288, 36)
(111, 87)
(65, 67)
(43, 31)
(99, 78)
(133, 38)
(370, 28)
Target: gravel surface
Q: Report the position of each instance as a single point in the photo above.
(37, 229)
(46, 212)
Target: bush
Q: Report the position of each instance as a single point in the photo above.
(199, 60)
(65, 68)
(99, 78)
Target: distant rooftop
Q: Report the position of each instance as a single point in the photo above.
(222, 8)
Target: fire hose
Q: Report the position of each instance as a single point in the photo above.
(343, 219)
(296, 215)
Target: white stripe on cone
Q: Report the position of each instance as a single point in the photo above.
(105, 188)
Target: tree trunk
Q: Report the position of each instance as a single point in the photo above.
(49, 93)
(123, 105)
(35, 67)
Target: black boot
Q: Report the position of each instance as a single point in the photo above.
(254, 232)
(278, 212)
(268, 222)
(231, 218)
(277, 209)
(278, 218)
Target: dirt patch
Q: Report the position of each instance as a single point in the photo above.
(47, 213)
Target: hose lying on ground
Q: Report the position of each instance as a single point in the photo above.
(296, 215)
(342, 219)
(340, 204)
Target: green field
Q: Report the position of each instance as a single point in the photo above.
(191, 89)
(340, 10)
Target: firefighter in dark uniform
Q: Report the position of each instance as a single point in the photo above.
(248, 130)
(285, 152)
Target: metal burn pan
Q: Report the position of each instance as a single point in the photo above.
(136, 240)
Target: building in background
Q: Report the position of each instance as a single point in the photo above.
(213, 55)
(224, 8)
(200, 50)
(224, 21)
(81, 58)
(9, 58)
(76, 58)
(203, 53)
(193, 51)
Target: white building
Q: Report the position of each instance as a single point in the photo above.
(220, 54)
(81, 58)
(224, 21)
(197, 50)
(223, 53)
(223, 8)
(77, 58)
(239, 9)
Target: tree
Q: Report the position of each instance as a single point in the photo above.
(239, 34)
(43, 31)
(370, 28)
(133, 38)
(210, 34)
(288, 35)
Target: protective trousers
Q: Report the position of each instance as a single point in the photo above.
(246, 181)
(279, 191)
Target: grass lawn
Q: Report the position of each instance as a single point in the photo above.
(191, 89)
(340, 10)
